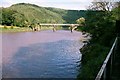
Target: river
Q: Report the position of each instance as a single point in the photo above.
(43, 54)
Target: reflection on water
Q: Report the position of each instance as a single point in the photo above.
(41, 54)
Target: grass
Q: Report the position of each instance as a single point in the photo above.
(13, 29)
(92, 59)
(23, 29)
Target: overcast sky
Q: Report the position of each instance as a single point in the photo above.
(65, 4)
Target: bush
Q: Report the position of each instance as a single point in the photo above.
(92, 59)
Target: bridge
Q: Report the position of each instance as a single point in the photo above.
(72, 26)
(59, 24)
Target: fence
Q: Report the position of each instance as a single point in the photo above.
(106, 69)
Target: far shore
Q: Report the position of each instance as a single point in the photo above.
(20, 29)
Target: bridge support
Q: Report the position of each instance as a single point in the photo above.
(72, 27)
(40, 27)
(54, 28)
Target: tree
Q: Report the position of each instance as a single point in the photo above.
(99, 20)
(19, 20)
(81, 21)
(100, 23)
(7, 16)
(103, 5)
(116, 10)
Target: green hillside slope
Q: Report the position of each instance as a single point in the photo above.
(34, 13)
(25, 13)
(70, 16)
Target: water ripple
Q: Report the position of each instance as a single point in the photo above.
(58, 59)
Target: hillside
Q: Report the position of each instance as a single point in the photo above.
(70, 16)
(35, 13)
(30, 13)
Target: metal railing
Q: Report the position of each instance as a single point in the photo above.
(106, 69)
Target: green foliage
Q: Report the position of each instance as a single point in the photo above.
(101, 26)
(93, 56)
(7, 16)
(116, 12)
(23, 14)
(19, 19)
(37, 14)
(69, 16)
(72, 15)
(0, 16)
(81, 21)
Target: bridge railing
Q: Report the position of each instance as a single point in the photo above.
(106, 69)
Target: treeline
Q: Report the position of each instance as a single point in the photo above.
(12, 17)
(100, 24)
(24, 14)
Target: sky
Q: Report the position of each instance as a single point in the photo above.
(64, 4)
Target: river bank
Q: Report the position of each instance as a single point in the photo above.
(13, 29)
(22, 29)
(93, 56)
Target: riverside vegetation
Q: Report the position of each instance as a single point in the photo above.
(99, 23)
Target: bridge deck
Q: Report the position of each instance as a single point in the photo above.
(59, 24)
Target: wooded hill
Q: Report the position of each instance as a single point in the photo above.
(25, 13)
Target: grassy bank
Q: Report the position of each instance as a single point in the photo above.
(101, 25)
(93, 56)
(13, 29)
(22, 29)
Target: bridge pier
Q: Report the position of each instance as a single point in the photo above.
(54, 28)
(40, 27)
(72, 27)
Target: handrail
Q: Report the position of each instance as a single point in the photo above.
(100, 73)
